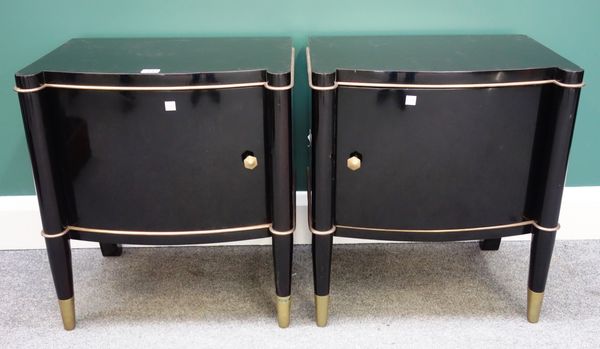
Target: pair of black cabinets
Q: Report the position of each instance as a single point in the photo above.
(181, 141)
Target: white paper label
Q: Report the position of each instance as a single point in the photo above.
(170, 106)
(410, 100)
(150, 71)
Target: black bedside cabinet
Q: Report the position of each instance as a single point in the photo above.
(438, 138)
(162, 141)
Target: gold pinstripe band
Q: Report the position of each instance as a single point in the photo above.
(511, 225)
(281, 233)
(288, 232)
(322, 232)
(537, 226)
(159, 233)
(49, 236)
(435, 231)
(429, 86)
(265, 84)
(138, 88)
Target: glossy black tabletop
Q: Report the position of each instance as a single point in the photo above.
(448, 59)
(162, 62)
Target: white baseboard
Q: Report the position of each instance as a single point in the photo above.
(21, 225)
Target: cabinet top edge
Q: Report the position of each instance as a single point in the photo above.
(437, 59)
(163, 61)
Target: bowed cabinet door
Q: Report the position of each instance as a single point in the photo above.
(434, 158)
(163, 160)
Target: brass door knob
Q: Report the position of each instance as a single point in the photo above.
(250, 162)
(353, 163)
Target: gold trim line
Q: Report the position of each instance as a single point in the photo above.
(49, 236)
(456, 230)
(544, 228)
(139, 88)
(169, 233)
(322, 232)
(451, 86)
(430, 86)
(265, 84)
(282, 233)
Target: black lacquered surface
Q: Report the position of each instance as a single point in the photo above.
(431, 59)
(119, 164)
(440, 163)
(128, 164)
(456, 159)
(181, 61)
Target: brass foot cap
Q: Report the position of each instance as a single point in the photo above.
(534, 305)
(67, 312)
(322, 310)
(283, 311)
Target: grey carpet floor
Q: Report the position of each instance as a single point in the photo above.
(448, 295)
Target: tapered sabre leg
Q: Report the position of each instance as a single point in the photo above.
(59, 255)
(322, 246)
(542, 245)
(282, 257)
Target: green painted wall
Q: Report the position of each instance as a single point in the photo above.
(29, 29)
